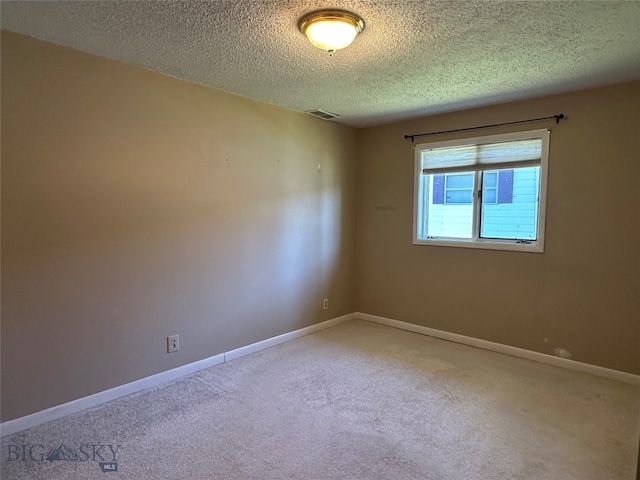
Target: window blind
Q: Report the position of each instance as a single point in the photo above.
(517, 153)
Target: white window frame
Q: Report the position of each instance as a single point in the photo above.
(532, 246)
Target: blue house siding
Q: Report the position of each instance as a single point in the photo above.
(519, 218)
(514, 217)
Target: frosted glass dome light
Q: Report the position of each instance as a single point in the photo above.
(331, 30)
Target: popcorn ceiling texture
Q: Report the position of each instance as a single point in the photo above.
(414, 58)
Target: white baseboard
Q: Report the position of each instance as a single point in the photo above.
(13, 426)
(38, 418)
(59, 411)
(506, 349)
(285, 337)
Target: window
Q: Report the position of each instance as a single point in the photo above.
(458, 189)
(490, 187)
(484, 192)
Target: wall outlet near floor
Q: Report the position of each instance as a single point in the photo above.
(173, 343)
(325, 304)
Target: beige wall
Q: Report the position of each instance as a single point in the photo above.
(136, 206)
(582, 294)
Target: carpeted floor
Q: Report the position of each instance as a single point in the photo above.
(356, 401)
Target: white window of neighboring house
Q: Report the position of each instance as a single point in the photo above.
(483, 192)
(458, 189)
(490, 187)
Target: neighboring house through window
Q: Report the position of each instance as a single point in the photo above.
(457, 188)
(483, 192)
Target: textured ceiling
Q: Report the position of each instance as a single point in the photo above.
(414, 58)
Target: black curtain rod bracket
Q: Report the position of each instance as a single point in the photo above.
(557, 118)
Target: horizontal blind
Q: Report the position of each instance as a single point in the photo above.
(517, 153)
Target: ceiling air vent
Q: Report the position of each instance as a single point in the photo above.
(322, 114)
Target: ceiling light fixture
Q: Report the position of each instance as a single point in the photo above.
(331, 30)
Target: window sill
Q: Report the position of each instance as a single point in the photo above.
(507, 245)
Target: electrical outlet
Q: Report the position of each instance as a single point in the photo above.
(325, 304)
(173, 343)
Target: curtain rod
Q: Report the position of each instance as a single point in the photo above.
(558, 117)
